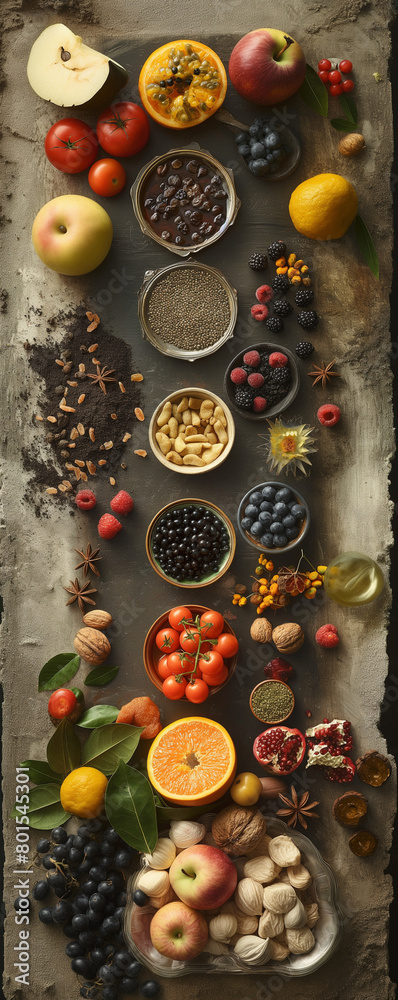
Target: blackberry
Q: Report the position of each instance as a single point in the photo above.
(276, 250)
(266, 371)
(281, 307)
(282, 377)
(274, 323)
(247, 368)
(244, 398)
(304, 296)
(281, 284)
(258, 261)
(304, 348)
(308, 319)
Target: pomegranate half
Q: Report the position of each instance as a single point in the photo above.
(280, 749)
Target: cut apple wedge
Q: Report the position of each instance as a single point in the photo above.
(65, 71)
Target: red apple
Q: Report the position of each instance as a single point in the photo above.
(178, 932)
(267, 66)
(203, 876)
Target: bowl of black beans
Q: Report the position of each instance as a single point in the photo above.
(190, 543)
(273, 517)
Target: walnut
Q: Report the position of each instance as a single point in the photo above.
(261, 630)
(98, 619)
(288, 638)
(92, 645)
(237, 829)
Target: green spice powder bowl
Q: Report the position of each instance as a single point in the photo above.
(263, 692)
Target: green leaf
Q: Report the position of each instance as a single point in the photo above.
(100, 676)
(130, 808)
(99, 715)
(40, 772)
(45, 810)
(109, 745)
(349, 108)
(63, 749)
(58, 671)
(366, 245)
(167, 813)
(314, 92)
(341, 124)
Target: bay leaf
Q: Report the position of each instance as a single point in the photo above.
(366, 246)
(107, 746)
(314, 92)
(101, 676)
(58, 671)
(63, 749)
(130, 808)
(44, 810)
(40, 772)
(98, 715)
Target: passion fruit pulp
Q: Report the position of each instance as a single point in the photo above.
(280, 749)
(182, 83)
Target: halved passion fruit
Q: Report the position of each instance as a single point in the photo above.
(182, 83)
(280, 749)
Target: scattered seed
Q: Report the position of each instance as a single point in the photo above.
(79, 462)
(113, 416)
(108, 445)
(123, 465)
(139, 414)
(74, 434)
(82, 368)
(81, 430)
(64, 454)
(137, 377)
(67, 409)
(84, 476)
(126, 437)
(101, 447)
(91, 434)
(37, 417)
(72, 445)
(92, 326)
(78, 473)
(62, 488)
(91, 468)
(67, 484)
(141, 452)
(69, 466)
(51, 489)
(68, 368)
(121, 387)
(96, 361)
(102, 461)
(65, 391)
(52, 420)
(59, 362)
(112, 481)
(92, 348)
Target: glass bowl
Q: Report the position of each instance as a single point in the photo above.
(271, 411)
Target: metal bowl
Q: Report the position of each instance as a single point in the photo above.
(152, 654)
(275, 550)
(228, 557)
(232, 206)
(271, 411)
(175, 397)
(152, 279)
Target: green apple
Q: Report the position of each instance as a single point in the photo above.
(178, 932)
(72, 234)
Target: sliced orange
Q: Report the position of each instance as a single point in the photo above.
(182, 83)
(192, 761)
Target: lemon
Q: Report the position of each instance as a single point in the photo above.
(323, 207)
(83, 792)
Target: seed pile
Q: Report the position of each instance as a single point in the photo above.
(189, 308)
(272, 702)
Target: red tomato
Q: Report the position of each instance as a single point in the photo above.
(123, 129)
(190, 639)
(162, 668)
(174, 689)
(176, 615)
(213, 622)
(197, 691)
(226, 644)
(211, 663)
(180, 663)
(107, 177)
(71, 145)
(216, 679)
(61, 703)
(167, 639)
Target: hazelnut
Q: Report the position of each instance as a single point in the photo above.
(261, 630)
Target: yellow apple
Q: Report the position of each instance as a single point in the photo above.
(62, 69)
(72, 234)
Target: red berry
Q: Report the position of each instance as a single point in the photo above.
(238, 376)
(259, 312)
(108, 526)
(277, 360)
(336, 89)
(324, 64)
(259, 404)
(348, 86)
(327, 637)
(264, 294)
(334, 76)
(324, 76)
(122, 503)
(85, 499)
(252, 357)
(255, 379)
(329, 414)
(61, 703)
(345, 65)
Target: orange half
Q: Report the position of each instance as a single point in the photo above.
(192, 761)
(182, 83)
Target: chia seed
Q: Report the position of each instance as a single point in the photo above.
(272, 702)
(189, 308)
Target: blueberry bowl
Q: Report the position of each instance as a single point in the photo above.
(273, 517)
(280, 405)
(269, 149)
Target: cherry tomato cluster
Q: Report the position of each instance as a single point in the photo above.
(72, 146)
(194, 651)
(333, 75)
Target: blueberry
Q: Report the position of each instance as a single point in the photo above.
(92, 849)
(41, 889)
(297, 511)
(150, 988)
(244, 150)
(84, 833)
(133, 968)
(74, 949)
(112, 837)
(268, 493)
(292, 533)
(289, 521)
(59, 835)
(109, 926)
(140, 898)
(56, 881)
(87, 940)
(105, 973)
(257, 150)
(246, 523)
(46, 915)
(75, 856)
(91, 885)
(276, 528)
(281, 509)
(42, 846)
(254, 129)
(280, 540)
(128, 985)
(123, 959)
(240, 137)
(106, 889)
(81, 902)
(255, 498)
(48, 862)
(94, 917)
(97, 901)
(80, 922)
(122, 859)
(267, 540)
(272, 140)
(265, 517)
(251, 510)
(266, 505)
(98, 956)
(259, 167)
(256, 529)
(97, 873)
(283, 495)
(59, 852)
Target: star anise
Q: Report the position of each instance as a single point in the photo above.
(80, 593)
(323, 373)
(297, 808)
(103, 375)
(89, 557)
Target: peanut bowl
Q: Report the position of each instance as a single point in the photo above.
(191, 431)
(209, 543)
(152, 655)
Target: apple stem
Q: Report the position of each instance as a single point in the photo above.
(187, 873)
(289, 41)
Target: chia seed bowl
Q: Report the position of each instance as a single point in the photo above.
(187, 310)
(269, 696)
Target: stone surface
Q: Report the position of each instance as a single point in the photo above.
(347, 490)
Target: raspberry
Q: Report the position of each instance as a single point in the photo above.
(329, 414)
(327, 637)
(264, 293)
(259, 312)
(256, 380)
(259, 404)
(122, 503)
(252, 357)
(108, 526)
(85, 499)
(277, 360)
(238, 376)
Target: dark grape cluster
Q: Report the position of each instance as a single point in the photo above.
(86, 872)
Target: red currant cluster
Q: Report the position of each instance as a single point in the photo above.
(329, 73)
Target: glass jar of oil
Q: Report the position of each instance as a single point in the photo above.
(353, 579)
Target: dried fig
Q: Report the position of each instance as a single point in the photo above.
(373, 768)
(350, 808)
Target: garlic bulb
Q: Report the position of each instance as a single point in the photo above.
(279, 951)
(252, 949)
(279, 897)
(296, 917)
(299, 876)
(186, 833)
(262, 869)
(215, 947)
(168, 897)
(312, 911)
(284, 852)
(162, 855)
(154, 883)
(249, 896)
(270, 924)
(223, 927)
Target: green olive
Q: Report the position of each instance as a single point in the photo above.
(246, 789)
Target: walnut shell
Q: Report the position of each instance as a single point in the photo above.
(350, 808)
(237, 829)
(288, 638)
(98, 619)
(261, 630)
(92, 645)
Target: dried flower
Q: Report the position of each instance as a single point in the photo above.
(289, 445)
